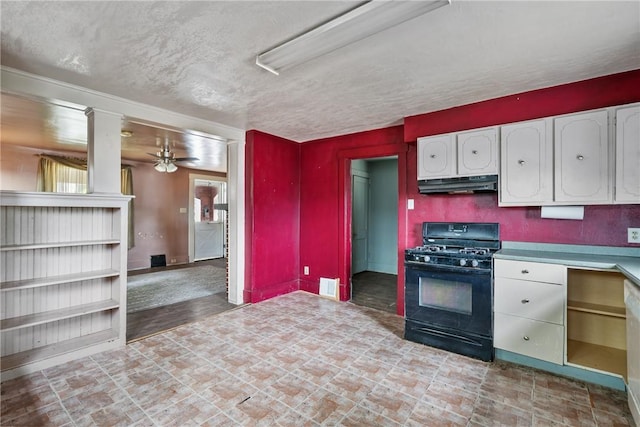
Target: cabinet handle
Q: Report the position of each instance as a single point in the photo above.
(525, 271)
(525, 301)
(521, 162)
(474, 152)
(433, 156)
(580, 157)
(526, 338)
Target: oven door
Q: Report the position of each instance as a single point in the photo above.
(452, 298)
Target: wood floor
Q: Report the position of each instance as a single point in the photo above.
(375, 290)
(149, 322)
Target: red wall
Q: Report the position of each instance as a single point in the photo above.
(272, 172)
(325, 206)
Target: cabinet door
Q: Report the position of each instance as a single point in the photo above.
(582, 158)
(526, 163)
(628, 155)
(436, 157)
(478, 152)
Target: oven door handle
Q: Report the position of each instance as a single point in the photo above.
(448, 335)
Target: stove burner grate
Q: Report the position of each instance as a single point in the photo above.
(434, 248)
(475, 251)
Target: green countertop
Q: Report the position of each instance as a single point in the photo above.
(623, 259)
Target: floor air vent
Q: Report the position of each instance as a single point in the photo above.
(329, 288)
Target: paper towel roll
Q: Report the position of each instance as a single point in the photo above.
(562, 212)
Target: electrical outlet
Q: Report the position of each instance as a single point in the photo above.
(306, 270)
(633, 235)
(173, 260)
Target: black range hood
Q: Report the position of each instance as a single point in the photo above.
(464, 184)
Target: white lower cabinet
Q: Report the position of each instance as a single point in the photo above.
(529, 309)
(569, 316)
(632, 301)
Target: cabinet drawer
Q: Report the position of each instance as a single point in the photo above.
(528, 337)
(535, 271)
(533, 300)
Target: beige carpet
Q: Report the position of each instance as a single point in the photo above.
(145, 291)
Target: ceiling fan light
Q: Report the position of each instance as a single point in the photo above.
(171, 167)
(160, 167)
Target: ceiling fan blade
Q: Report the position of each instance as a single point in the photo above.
(186, 159)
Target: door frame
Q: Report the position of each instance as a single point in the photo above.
(344, 213)
(192, 226)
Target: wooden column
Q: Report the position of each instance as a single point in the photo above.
(103, 151)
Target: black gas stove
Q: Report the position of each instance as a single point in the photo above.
(448, 287)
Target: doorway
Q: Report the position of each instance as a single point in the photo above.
(209, 219)
(208, 212)
(374, 232)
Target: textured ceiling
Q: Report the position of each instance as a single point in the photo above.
(198, 58)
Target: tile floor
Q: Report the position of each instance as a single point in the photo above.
(299, 360)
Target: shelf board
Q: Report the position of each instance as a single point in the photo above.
(606, 359)
(56, 280)
(606, 310)
(7, 248)
(54, 315)
(29, 356)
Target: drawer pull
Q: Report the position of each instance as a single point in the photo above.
(525, 301)
(526, 338)
(525, 271)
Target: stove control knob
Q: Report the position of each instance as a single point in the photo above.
(427, 258)
(474, 263)
(463, 262)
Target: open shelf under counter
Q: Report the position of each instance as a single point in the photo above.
(54, 315)
(605, 310)
(602, 358)
(39, 353)
(48, 245)
(56, 280)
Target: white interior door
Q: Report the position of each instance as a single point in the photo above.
(359, 222)
(209, 240)
(209, 216)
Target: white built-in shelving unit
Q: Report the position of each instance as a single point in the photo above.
(62, 277)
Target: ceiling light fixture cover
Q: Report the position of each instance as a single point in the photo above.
(357, 24)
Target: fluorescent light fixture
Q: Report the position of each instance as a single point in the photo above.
(370, 18)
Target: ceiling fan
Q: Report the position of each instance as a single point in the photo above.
(167, 159)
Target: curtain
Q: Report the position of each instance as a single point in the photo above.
(57, 174)
(126, 187)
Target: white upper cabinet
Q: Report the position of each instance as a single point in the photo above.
(478, 152)
(627, 188)
(436, 157)
(469, 153)
(526, 164)
(581, 148)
